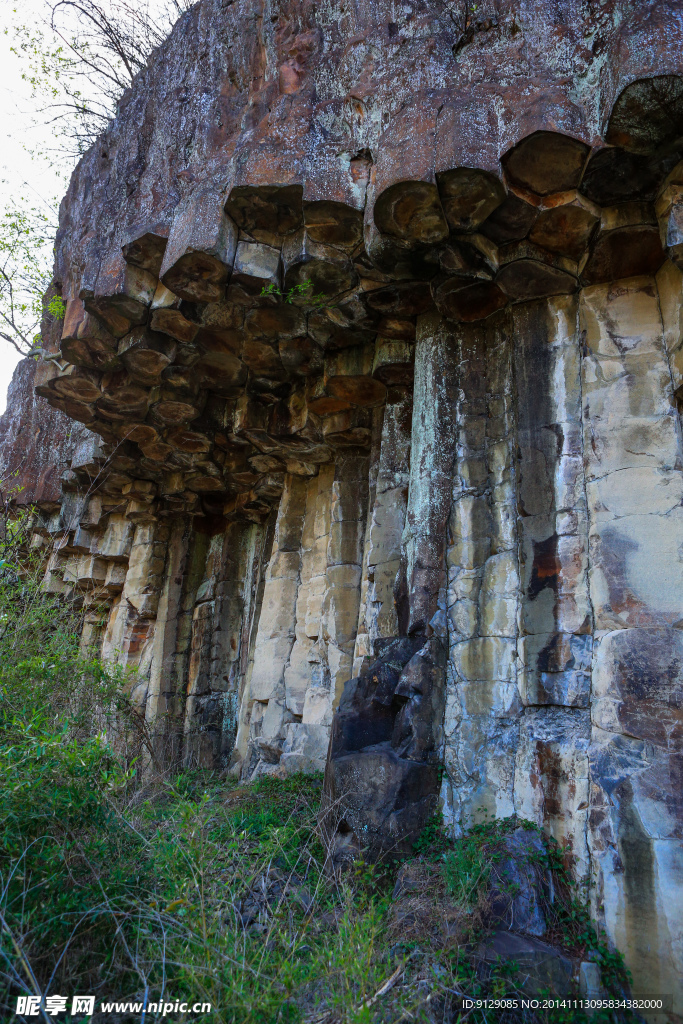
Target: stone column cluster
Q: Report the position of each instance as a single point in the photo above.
(482, 611)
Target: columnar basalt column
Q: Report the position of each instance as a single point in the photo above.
(635, 496)
(556, 617)
(420, 588)
(272, 704)
(382, 775)
(483, 704)
(165, 704)
(221, 618)
(129, 636)
(378, 618)
(310, 681)
(310, 658)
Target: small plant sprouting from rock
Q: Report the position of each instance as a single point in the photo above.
(298, 293)
(56, 307)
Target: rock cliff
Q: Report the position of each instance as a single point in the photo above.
(374, 322)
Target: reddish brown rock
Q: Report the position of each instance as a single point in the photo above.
(36, 442)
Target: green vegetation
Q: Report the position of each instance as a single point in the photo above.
(25, 256)
(56, 307)
(299, 294)
(200, 890)
(78, 58)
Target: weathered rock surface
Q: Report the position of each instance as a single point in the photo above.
(37, 443)
(373, 329)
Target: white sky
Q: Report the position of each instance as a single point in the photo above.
(20, 173)
(21, 130)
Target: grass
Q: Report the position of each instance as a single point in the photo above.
(195, 889)
(201, 890)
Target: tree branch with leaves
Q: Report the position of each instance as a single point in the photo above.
(78, 60)
(25, 274)
(84, 56)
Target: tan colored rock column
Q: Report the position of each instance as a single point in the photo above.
(556, 618)
(348, 511)
(129, 635)
(308, 684)
(166, 696)
(307, 681)
(265, 695)
(327, 607)
(220, 630)
(482, 704)
(635, 498)
(386, 521)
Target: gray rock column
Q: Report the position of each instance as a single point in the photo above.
(556, 617)
(386, 520)
(520, 621)
(483, 706)
(422, 576)
(635, 508)
(221, 620)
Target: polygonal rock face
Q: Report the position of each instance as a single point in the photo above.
(411, 210)
(266, 213)
(565, 224)
(647, 115)
(261, 289)
(468, 197)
